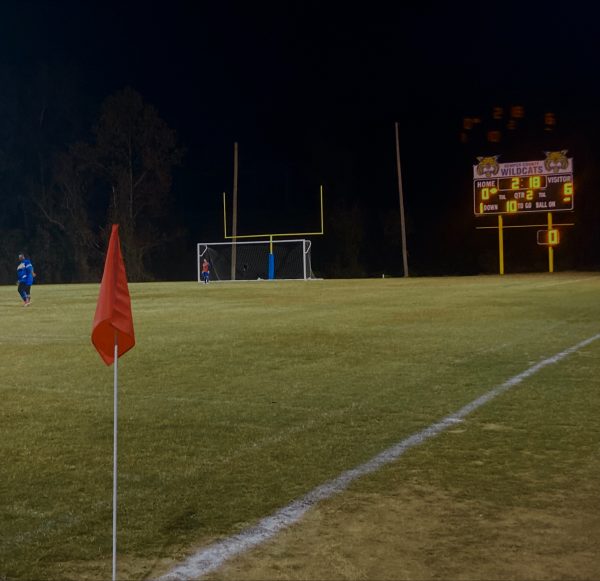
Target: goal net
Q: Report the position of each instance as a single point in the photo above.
(253, 261)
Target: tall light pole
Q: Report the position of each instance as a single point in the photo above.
(402, 223)
(234, 217)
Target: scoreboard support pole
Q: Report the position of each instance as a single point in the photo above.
(500, 244)
(551, 229)
(550, 247)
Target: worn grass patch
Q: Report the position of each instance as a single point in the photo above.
(240, 398)
(511, 493)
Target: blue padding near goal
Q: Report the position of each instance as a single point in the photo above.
(271, 266)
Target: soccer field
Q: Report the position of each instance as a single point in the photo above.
(240, 398)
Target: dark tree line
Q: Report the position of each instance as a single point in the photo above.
(71, 165)
(62, 184)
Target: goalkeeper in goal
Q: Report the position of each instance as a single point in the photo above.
(205, 271)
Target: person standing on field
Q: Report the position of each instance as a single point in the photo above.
(25, 276)
(205, 271)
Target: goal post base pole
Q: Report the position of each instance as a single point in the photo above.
(271, 266)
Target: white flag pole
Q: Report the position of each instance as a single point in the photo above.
(114, 532)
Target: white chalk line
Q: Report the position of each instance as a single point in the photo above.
(213, 556)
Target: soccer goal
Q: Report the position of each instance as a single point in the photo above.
(257, 260)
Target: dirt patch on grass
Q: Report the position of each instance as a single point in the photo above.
(422, 534)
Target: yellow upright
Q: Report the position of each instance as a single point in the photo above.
(501, 243)
(550, 247)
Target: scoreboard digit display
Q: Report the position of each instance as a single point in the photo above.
(522, 187)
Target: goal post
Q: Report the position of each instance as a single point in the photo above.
(271, 260)
(257, 260)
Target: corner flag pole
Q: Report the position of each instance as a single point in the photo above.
(115, 433)
(113, 336)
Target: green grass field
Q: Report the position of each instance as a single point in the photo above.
(239, 398)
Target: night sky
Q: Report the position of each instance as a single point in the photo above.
(311, 91)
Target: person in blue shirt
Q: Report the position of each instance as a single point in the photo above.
(25, 276)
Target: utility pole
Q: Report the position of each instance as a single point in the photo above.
(402, 223)
(234, 218)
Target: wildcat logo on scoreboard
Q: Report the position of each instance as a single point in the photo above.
(488, 166)
(556, 161)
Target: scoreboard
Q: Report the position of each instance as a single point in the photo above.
(523, 187)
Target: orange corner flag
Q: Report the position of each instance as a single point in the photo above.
(113, 320)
